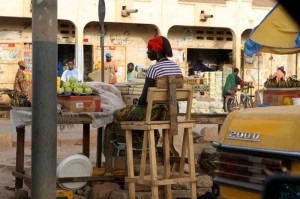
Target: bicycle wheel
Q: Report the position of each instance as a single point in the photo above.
(231, 104)
(249, 103)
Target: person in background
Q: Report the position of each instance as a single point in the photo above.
(21, 84)
(131, 73)
(60, 68)
(200, 67)
(110, 69)
(159, 49)
(191, 71)
(279, 74)
(71, 71)
(232, 81)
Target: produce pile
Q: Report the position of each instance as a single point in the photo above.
(20, 101)
(290, 82)
(207, 107)
(73, 87)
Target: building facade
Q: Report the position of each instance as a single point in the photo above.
(213, 30)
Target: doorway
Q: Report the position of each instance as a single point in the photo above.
(213, 58)
(88, 61)
(65, 52)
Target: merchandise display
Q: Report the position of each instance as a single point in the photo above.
(131, 90)
(205, 107)
(72, 87)
(76, 165)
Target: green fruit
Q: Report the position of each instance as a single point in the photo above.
(85, 85)
(87, 90)
(72, 80)
(74, 85)
(78, 90)
(68, 89)
(66, 84)
(60, 90)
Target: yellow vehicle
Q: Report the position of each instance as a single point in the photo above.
(254, 144)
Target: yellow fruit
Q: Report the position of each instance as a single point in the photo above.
(287, 101)
(58, 82)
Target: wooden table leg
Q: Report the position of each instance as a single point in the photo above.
(86, 140)
(99, 147)
(219, 128)
(20, 156)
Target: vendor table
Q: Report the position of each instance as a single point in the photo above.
(22, 118)
(275, 96)
(209, 118)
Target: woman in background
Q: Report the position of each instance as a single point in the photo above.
(22, 88)
(279, 74)
(21, 84)
(159, 49)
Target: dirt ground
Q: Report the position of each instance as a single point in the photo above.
(7, 165)
(7, 182)
(64, 149)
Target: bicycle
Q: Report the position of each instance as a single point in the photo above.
(239, 101)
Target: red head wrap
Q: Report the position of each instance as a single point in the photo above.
(156, 44)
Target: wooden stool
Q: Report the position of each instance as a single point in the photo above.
(157, 95)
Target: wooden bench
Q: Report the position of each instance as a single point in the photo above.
(171, 96)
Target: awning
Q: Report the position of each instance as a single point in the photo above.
(277, 33)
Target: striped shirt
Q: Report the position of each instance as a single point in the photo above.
(164, 68)
(160, 69)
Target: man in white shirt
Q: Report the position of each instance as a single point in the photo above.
(71, 71)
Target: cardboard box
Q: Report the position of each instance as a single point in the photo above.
(77, 104)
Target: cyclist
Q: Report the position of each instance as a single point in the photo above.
(232, 81)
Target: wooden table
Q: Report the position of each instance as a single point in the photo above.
(209, 118)
(81, 118)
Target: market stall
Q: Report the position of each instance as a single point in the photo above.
(89, 110)
(264, 38)
(280, 96)
(22, 118)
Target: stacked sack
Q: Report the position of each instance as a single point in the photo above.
(213, 107)
(200, 106)
(216, 107)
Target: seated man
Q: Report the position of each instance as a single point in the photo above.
(201, 67)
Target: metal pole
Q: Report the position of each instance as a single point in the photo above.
(258, 70)
(44, 113)
(102, 51)
(101, 15)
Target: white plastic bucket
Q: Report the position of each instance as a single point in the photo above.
(296, 101)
